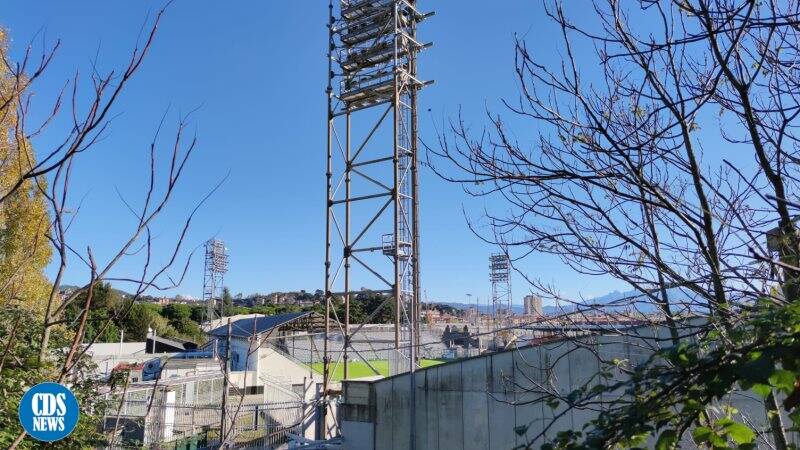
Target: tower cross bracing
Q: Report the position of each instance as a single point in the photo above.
(372, 217)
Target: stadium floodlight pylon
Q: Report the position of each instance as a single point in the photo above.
(215, 267)
(500, 278)
(372, 209)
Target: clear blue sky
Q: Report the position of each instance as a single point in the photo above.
(257, 72)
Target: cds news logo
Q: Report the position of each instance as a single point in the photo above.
(48, 412)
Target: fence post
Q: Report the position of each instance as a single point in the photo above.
(223, 426)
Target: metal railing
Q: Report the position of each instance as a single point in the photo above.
(169, 425)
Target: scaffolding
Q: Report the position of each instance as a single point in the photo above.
(500, 277)
(372, 226)
(216, 265)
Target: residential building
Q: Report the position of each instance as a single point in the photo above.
(532, 305)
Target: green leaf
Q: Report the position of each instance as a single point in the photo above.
(667, 440)
(795, 416)
(635, 440)
(740, 433)
(783, 380)
(761, 389)
(701, 434)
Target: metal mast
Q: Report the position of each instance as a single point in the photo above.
(372, 229)
(500, 277)
(216, 265)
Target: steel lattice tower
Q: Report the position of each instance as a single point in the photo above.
(216, 265)
(372, 223)
(500, 277)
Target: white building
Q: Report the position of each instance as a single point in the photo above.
(532, 305)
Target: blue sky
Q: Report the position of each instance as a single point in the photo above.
(257, 72)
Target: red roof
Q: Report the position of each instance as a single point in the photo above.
(129, 366)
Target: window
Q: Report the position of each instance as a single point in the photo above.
(249, 390)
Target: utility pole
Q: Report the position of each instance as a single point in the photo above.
(223, 426)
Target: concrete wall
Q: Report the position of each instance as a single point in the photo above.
(477, 403)
(277, 367)
(241, 358)
(268, 362)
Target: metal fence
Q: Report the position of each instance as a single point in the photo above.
(164, 424)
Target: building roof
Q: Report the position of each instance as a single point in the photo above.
(209, 325)
(129, 366)
(244, 327)
(99, 349)
(197, 363)
(172, 344)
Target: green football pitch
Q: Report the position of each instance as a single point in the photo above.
(359, 369)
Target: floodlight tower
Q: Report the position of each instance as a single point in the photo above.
(216, 265)
(500, 277)
(372, 225)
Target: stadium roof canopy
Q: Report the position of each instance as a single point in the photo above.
(257, 326)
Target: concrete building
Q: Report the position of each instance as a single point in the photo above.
(175, 399)
(257, 344)
(261, 358)
(108, 355)
(532, 305)
(134, 371)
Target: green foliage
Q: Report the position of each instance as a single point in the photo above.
(180, 319)
(144, 316)
(235, 310)
(176, 312)
(667, 440)
(21, 371)
(187, 328)
(362, 306)
(721, 432)
(101, 325)
(670, 393)
(111, 312)
(198, 313)
(227, 298)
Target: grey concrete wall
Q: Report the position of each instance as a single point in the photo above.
(477, 403)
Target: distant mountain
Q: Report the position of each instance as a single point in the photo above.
(72, 287)
(617, 300)
(484, 309)
(624, 299)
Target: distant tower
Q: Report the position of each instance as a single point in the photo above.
(500, 277)
(216, 265)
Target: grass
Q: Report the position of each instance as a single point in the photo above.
(359, 369)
